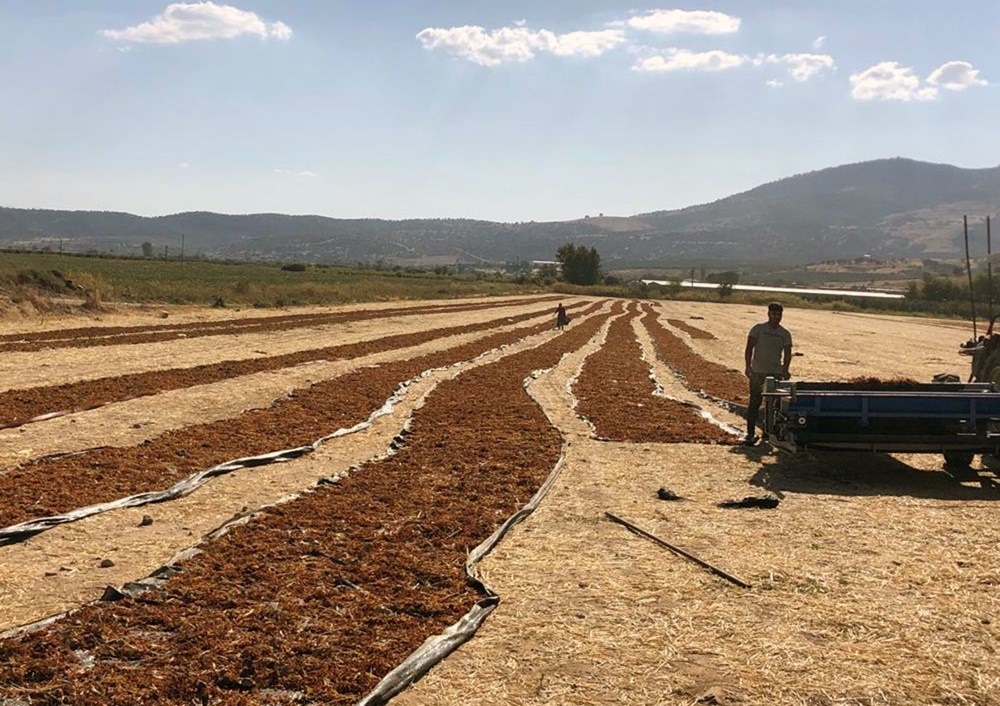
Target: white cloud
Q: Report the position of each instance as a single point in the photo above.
(801, 67)
(516, 44)
(690, 21)
(956, 76)
(773, 83)
(183, 165)
(684, 60)
(585, 43)
(279, 30)
(292, 172)
(819, 42)
(183, 22)
(889, 81)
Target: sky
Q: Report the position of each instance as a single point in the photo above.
(490, 109)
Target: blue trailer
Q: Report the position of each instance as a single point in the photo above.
(958, 420)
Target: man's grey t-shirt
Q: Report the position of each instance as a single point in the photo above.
(771, 341)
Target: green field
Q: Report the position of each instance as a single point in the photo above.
(237, 283)
(45, 280)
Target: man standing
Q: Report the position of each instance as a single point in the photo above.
(768, 354)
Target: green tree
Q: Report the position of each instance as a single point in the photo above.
(547, 274)
(579, 264)
(147, 249)
(941, 289)
(729, 277)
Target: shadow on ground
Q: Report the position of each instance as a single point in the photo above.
(848, 473)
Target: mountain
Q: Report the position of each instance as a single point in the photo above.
(885, 208)
(890, 208)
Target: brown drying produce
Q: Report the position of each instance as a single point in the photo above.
(113, 336)
(19, 406)
(692, 331)
(321, 596)
(699, 374)
(870, 383)
(616, 393)
(53, 486)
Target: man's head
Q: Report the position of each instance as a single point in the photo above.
(774, 312)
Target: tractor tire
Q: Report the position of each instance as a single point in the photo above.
(958, 459)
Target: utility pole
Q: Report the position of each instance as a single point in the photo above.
(989, 267)
(182, 247)
(968, 267)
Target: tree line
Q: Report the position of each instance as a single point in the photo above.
(579, 264)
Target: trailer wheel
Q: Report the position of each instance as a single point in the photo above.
(958, 459)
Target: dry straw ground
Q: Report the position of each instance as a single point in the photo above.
(875, 581)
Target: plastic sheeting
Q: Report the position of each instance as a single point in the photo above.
(700, 411)
(437, 647)
(186, 486)
(20, 532)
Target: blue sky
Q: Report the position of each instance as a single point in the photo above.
(513, 111)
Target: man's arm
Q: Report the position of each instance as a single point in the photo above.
(786, 361)
(748, 354)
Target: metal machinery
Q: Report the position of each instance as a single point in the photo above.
(956, 419)
(985, 352)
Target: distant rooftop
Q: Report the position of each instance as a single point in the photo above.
(865, 293)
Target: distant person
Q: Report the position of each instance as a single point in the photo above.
(768, 354)
(561, 318)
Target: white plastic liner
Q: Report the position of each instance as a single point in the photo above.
(186, 486)
(22, 531)
(437, 647)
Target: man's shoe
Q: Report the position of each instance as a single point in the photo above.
(750, 441)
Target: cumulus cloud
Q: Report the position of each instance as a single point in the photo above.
(889, 81)
(279, 30)
(519, 43)
(801, 67)
(956, 76)
(516, 44)
(687, 21)
(184, 22)
(685, 60)
(819, 42)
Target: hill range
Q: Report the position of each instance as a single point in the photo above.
(886, 209)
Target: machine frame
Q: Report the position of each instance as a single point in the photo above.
(956, 419)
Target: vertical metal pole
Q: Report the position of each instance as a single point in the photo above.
(989, 272)
(968, 267)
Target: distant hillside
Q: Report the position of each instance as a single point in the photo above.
(892, 208)
(887, 208)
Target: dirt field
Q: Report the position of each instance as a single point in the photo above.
(875, 580)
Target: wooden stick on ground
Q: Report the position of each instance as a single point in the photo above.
(678, 550)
